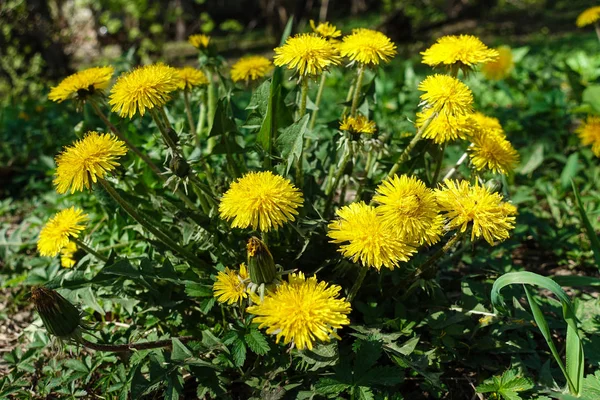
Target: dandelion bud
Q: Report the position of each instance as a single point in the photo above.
(60, 317)
(261, 266)
(173, 135)
(179, 166)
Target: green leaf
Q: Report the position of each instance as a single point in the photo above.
(570, 170)
(180, 352)
(574, 349)
(589, 229)
(591, 96)
(535, 160)
(575, 280)
(291, 141)
(223, 123)
(329, 386)
(257, 342)
(238, 352)
(194, 289)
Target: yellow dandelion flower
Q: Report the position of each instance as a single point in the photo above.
(191, 77)
(588, 17)
(369, 239)
(230, 286)
(199, 41)
(445, 94)
(407, 206)
(487, 123)
(87, 160)
(66, 255)
(144, 88)
(492, 151)
(358, 124)
(501, 67)
(436, 230)
(326, 30)
(260, 200)
(475, 206)
(589, 134)
(251, 68)
(307, 53)
(55, 235)
(368, 47)
(443, 128)
(81, 84)
(302, 311)
(458, 52)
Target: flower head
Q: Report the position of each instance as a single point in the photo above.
(250, 68)
(326, 30)
(358, 124)
(57, 231)
(476, 206)
(443, 128)
(491, 150)
(588, 17)
(409, 207)
(60, 317)
(501, 67)
(66, 255)
(445, 94)
(302, 311)
(191, 77)
(199, 41)
(230, 286)
(589, 134)
(81, 84)
(144, 88)
(368, 47)
(307, 53)
(458, 52)
(87, 160)
(261, 200)
(368, 238)
(487, 123)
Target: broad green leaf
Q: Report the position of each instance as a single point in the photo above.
(535, 160)
(570, 170)
(257, 342)
(223, 123)
(329, 386)
(291, 141)
(180, 352)
(575, 280)
(238, 352)
(591, 96)
(589, 229)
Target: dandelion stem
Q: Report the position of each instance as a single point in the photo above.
(406, 153)
(330, 191)
(163, 237)
(597, 26)
(163, 130)
(430, 262)
(121, 348)
(438, 167)
(201, 114)
(313, 118)
(359, 78)
(88, 249)
(455, 167)
(348, 98)
(358, 283)
(212, 106)
(301, 113)
(188, 110)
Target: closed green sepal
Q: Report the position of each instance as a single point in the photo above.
(261, 265)
(61, 318)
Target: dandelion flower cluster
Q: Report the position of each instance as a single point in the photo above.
(191, 77)
(325, 30)
(588, 17)
(589, 134)
(66, 255)
(476, 206)
(486, 122)
(501, 67)
(251, 68)
(302, 311)
(367, 47)
(144, 88)
(442, 128)
(57, 231)
(447, 95)
(307, 53)
(410, 208)
(491, 150)
(230, 286)
(199, 41)
(260, 200)
(358, 124)
(458, 52)
(367, 238)
(86, 161)
(82, 83)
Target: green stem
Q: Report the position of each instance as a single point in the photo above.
(203, 188)
(201, 115)
(212, 107)
(330, 191)
(597, 26)
(348, 98)
(301, 113)
(436, 256)
(163, 130)
(313, 118)
(188, 110)
(163, 237)
(357, 89)
(120, 348)
(367, 176)
(358, 283)
(88, 249)
(438, 166)
(406, 153)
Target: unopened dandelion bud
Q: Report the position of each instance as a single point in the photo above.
(261, 265)
(61, 318)
(179, 166)
(173, 135)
